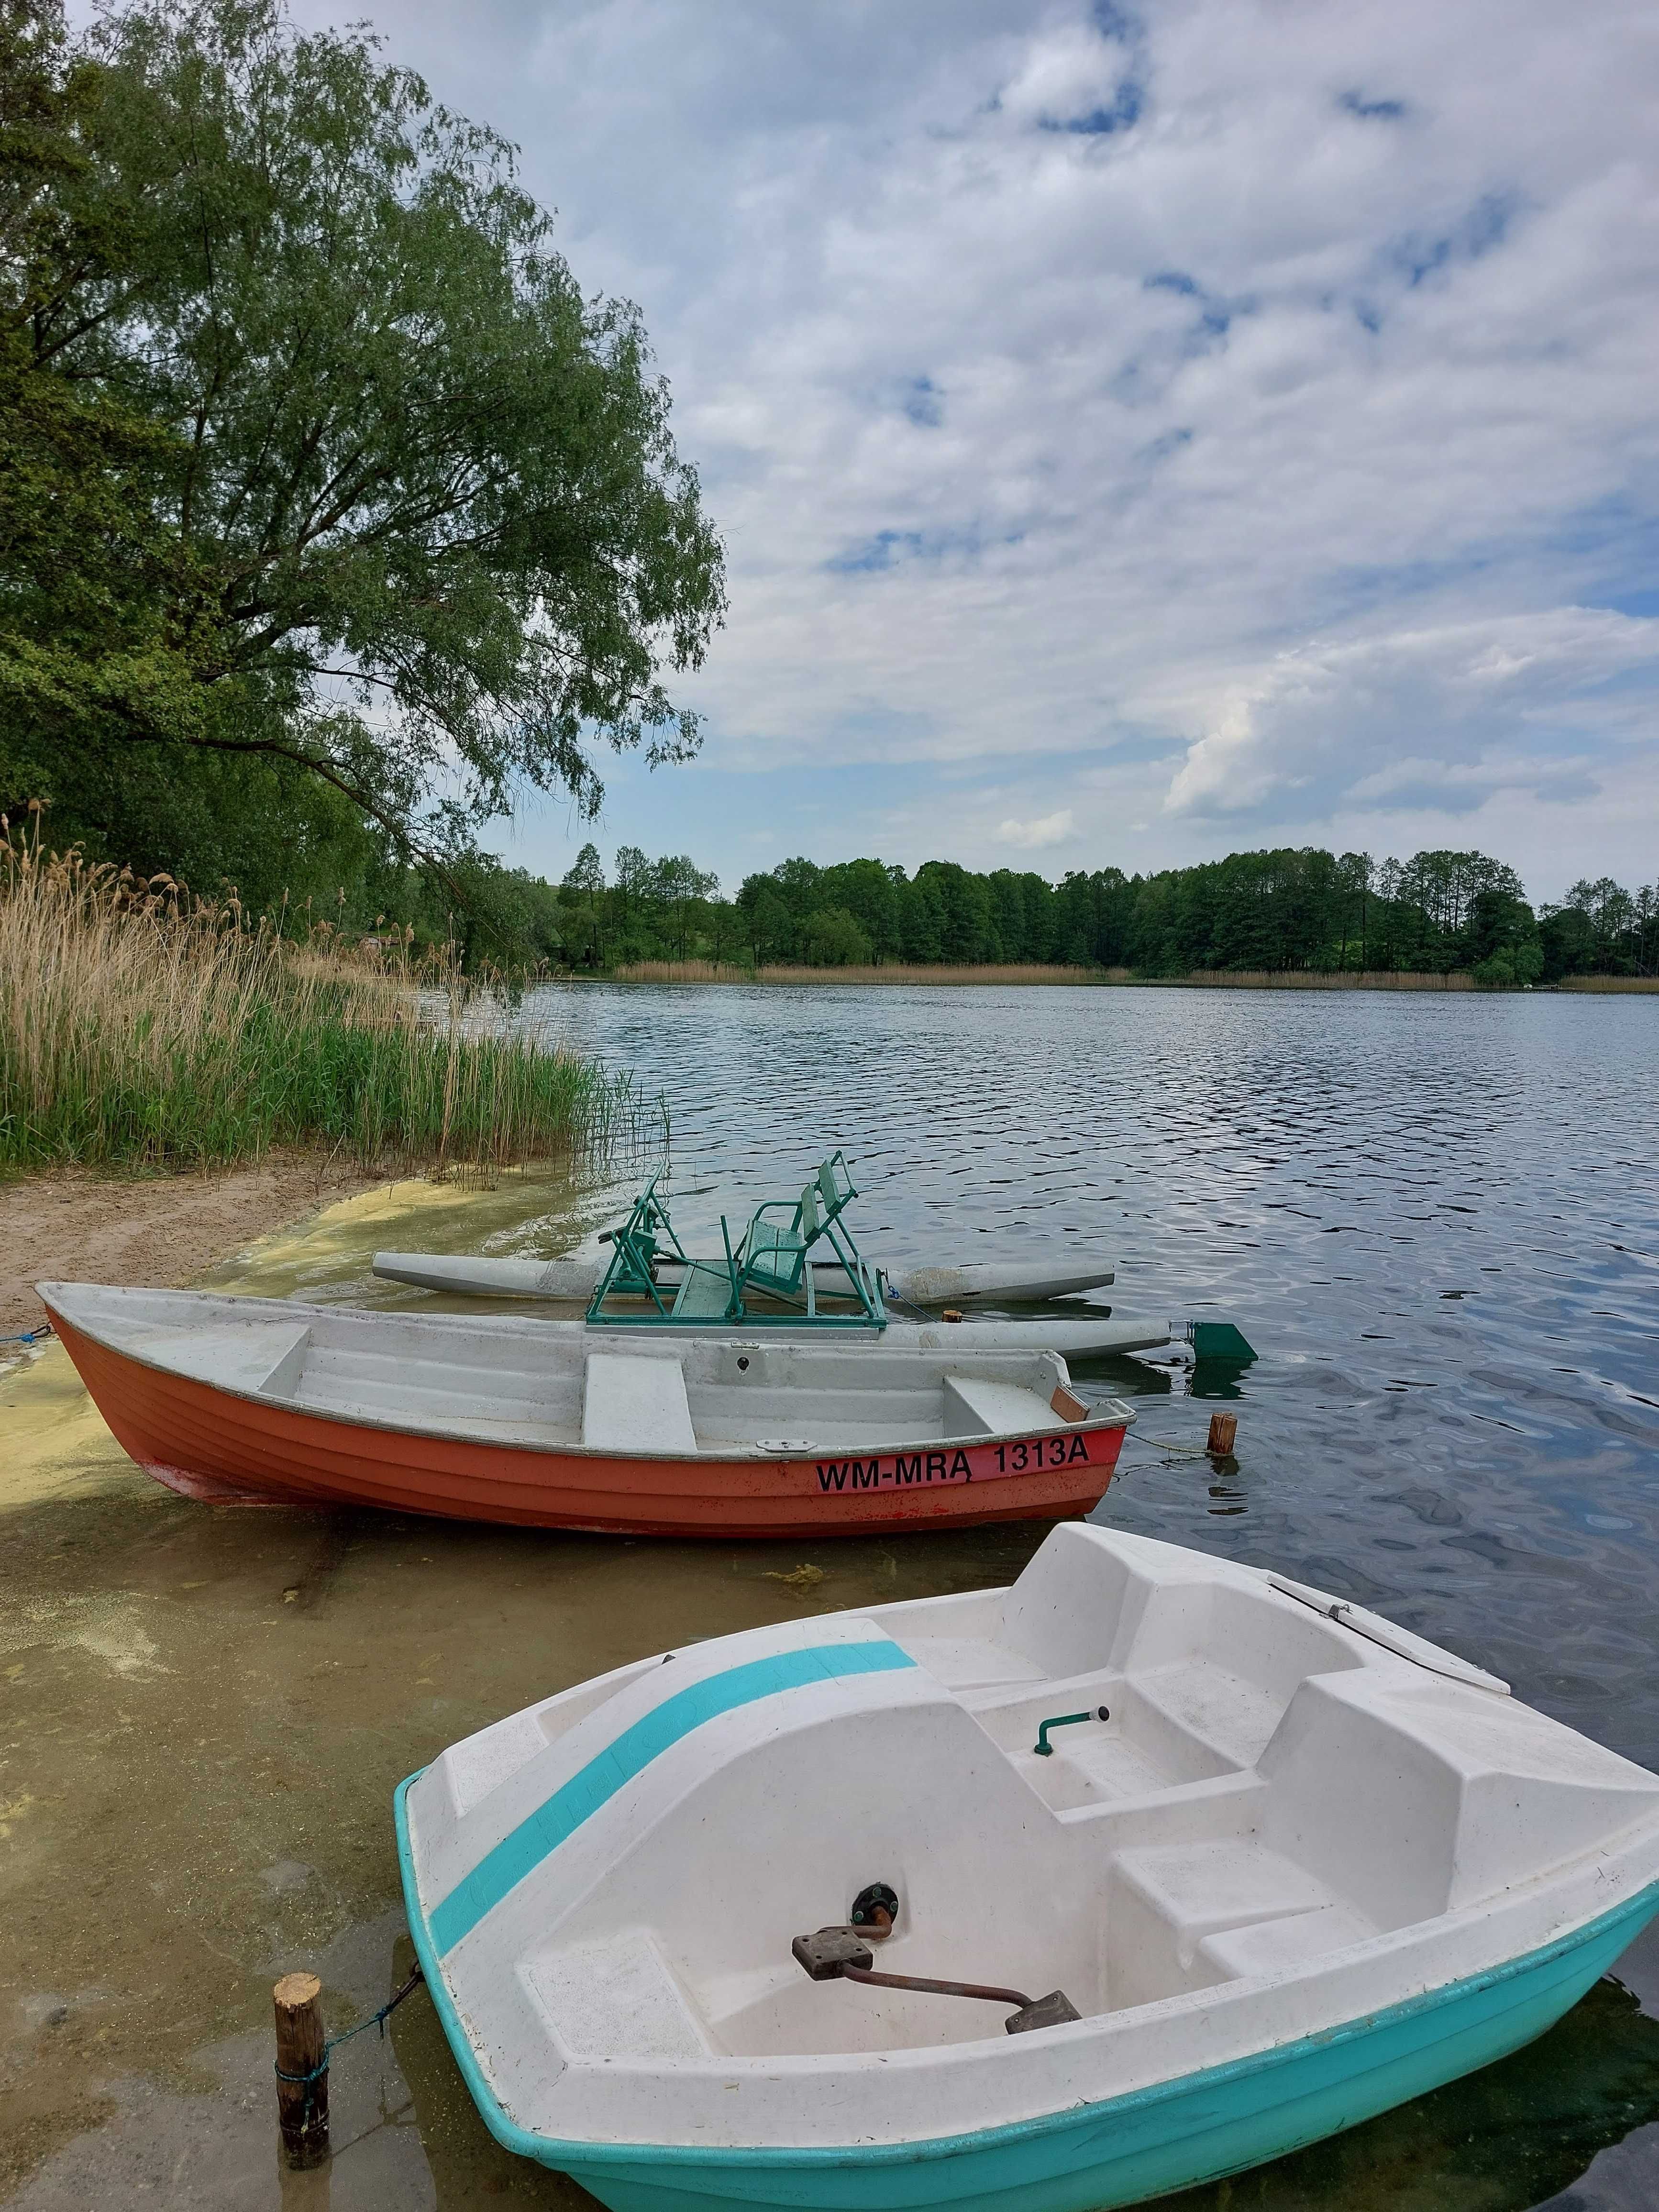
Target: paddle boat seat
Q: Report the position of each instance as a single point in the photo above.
(771, 1261)
(773, 1252)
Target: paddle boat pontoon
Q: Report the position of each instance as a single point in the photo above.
(497, 1419)
(769, 1280)
(648, 1278)
(1134, 1875)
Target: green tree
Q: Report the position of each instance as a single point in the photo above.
(400, 507)
(584, 884)
(831, 937)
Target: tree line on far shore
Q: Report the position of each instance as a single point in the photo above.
(1296, 908)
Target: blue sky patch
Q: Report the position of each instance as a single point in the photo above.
(1372, 111)
(1101, 122)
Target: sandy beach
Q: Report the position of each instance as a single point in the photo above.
(74, 1226)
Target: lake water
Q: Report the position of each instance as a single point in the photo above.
(1438, 1220)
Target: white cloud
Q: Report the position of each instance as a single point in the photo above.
(1467, 708)
(1214, 442)
(1032, 836)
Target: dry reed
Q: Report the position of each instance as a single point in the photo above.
(1609, 983)
(708, 971)
(1318, 979)
(140, 1027)
(1234, 979)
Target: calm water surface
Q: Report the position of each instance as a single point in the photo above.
(1437, 1219)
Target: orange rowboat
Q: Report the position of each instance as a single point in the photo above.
(267, 1402)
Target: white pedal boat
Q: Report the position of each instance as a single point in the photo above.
(1087, 1335)
(1310, 1868)
(986, 1282)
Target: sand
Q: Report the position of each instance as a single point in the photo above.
(74, 1226)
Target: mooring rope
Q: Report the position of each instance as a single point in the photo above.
(30, 1335)
(375, 2020)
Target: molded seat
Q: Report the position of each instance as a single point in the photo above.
(632, 1403)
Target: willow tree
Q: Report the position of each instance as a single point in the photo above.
(376, 494)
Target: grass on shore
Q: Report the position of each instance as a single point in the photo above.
(140, 1027)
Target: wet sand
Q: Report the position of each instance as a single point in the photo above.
(203, 1712)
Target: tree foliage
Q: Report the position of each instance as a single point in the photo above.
(315, 453)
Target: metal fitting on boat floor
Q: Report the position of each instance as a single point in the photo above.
(1043, 1748)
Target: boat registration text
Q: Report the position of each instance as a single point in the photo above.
(900, 1470)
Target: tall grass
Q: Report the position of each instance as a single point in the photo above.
(141, 1028)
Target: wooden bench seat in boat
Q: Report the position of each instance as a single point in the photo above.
(634, 1402)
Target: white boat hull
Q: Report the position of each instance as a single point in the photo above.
(977, 1283)
(1290, 1864)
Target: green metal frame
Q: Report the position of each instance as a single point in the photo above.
(771, 1259)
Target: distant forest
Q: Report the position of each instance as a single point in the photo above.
(1300, 908)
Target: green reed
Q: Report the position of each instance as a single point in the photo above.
(141, 1028)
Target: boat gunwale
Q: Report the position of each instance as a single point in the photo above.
(1122, 1417)
(569, 2153)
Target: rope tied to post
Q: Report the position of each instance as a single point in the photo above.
(309, 2078)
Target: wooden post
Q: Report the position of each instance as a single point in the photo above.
(301, 2105)
(1224, 1428)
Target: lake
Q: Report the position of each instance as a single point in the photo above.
(1436, 1218)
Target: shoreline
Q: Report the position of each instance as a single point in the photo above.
(897, 974)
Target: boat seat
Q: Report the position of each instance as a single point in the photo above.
(1268, 1947)
(1176, 1908)
(974, 1407)
(237, 1355)
(616, 1998)
(705, 1294)
(632, 1403)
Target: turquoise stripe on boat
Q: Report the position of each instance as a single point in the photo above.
(1121, 2151)
(522, 1851)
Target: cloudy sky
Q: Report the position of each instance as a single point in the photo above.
(1139, 432)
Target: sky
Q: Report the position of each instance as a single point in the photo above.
(1138, 433)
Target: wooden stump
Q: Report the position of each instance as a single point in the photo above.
(1224, 1428)
(301, 2105)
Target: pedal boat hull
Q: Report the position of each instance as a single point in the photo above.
(223, 1444)
(1200, 2127)
(1299, 1868)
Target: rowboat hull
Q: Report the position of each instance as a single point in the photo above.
(226, 1446)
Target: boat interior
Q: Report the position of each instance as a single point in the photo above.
(513, 1382)
(1234, 1786)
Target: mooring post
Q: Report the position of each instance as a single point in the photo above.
(1224, 1428)
(301, 2091)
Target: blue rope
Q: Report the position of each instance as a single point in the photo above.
(29, 1335)
(374, 2020)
